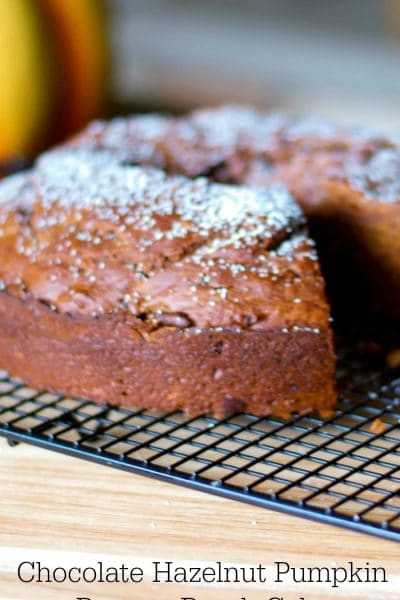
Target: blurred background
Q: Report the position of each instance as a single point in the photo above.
(64, 62)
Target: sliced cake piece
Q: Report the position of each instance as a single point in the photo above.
(125, 285)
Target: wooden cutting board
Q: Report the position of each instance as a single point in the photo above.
(67, 512)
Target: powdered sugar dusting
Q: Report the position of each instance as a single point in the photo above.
(379, 177)
(16, 189)
(87, 179)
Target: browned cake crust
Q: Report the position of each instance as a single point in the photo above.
(125, 285)
(346, 179)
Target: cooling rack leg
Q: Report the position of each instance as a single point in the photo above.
(12, 442)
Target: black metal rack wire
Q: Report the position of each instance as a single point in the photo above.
(344, 470)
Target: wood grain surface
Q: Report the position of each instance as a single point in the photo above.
(67, 512)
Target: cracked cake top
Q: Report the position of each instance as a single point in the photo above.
(88, 234)
(227, 142)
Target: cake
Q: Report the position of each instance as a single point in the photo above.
(345, 178)
(123, 284)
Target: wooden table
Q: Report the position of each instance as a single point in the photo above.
(66, 512)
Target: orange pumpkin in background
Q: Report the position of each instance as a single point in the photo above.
(53, 64)
(80, 45)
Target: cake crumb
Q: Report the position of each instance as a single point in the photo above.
(378, 427)
(393, 358)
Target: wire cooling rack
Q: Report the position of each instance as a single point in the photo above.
(344, 470)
